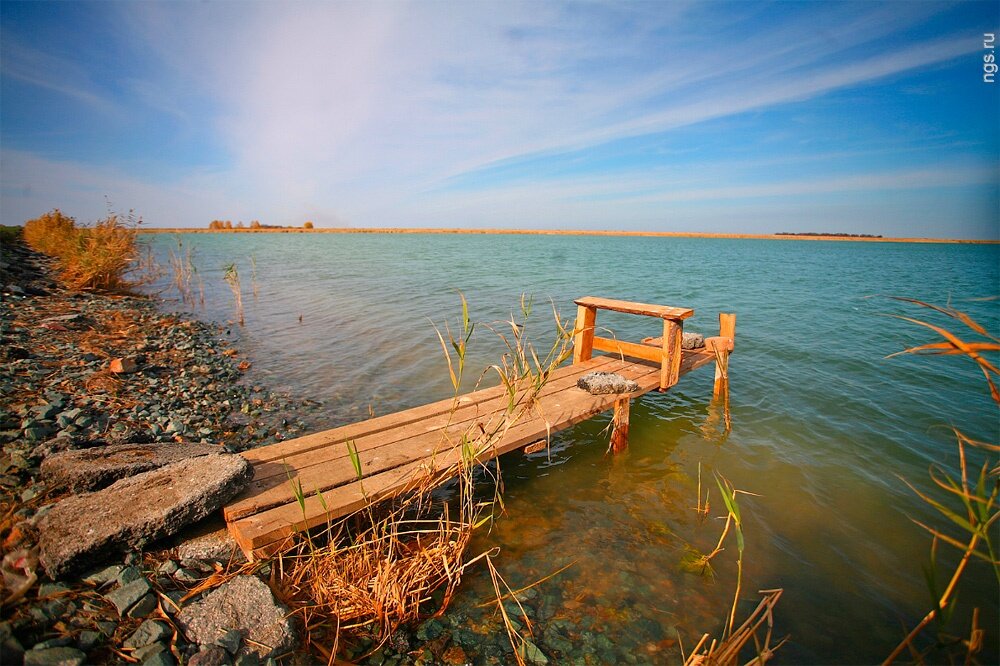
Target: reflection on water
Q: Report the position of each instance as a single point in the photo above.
(822, 422)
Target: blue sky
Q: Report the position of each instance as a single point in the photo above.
(858, 117)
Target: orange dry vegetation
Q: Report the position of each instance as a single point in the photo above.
(96, 257)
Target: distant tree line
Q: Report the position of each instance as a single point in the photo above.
(225, 225)
(824, 233)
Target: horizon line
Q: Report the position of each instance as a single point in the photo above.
(567, 232)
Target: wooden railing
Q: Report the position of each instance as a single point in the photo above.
(665, 350)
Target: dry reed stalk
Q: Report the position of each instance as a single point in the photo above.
(232, 278)
(727, 652)
(182, 269)
(978, 498)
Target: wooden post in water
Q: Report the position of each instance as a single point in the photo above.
(619, 428)
(722, 346)
(670, 364)
(583, 342)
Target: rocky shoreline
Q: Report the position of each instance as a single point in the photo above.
(111, 378)
(109, 408)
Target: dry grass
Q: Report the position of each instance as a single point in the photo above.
(98, 257)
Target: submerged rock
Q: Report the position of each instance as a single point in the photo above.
(247, 605)
(134, 511)
(598, 383)
(90, 469)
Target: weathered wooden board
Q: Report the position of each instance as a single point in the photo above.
(628, 307)
(399, 450)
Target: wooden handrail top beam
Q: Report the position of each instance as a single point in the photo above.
(629, 307)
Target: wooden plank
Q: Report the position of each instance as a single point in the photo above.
(276, 523)
(727, 325)
(328, 467)
(673, 333)
(630, 349)
(327, 446)
(424, 414)
(535, 447)
(629, 307)
(727, 331)
(583, 340)
(260, 530)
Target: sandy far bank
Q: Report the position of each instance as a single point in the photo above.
(555, 232)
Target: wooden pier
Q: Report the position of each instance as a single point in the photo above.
(397, 451)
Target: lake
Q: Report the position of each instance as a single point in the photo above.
(823, 424)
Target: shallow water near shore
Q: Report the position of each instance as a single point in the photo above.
(823, 425)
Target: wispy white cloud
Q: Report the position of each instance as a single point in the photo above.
(367, 113)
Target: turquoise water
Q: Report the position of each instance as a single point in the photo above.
(823, 424)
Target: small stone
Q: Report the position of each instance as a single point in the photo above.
(161, 658)
(48, 412)
(211, 655)
(144, 607)
(231, 641)
(248, 659)
(128, 575)
(429, 630)
(244, 603)
(172, 604)
(209, 540)
(124, 598)
(53, 643)
(59, 656)
(37, 432)
(103, 576)
(88, 639)
(51, 589)
(147, 651)
(187, 576)
(597, 383)
(167, 568)
(691, 340)
(530, 652)
(107, 628)
(150, 631)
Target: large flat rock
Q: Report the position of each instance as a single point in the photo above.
(90, 469)
(244, 604)
(80, 531)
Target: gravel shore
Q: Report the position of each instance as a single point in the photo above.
(81, 371)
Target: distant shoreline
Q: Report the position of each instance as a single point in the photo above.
(556, 232)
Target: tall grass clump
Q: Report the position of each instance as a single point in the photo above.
(97, 257)
(966, 497)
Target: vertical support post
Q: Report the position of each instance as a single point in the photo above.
(583, 341)
(727, 329)
(619, 429)
(670, 363)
